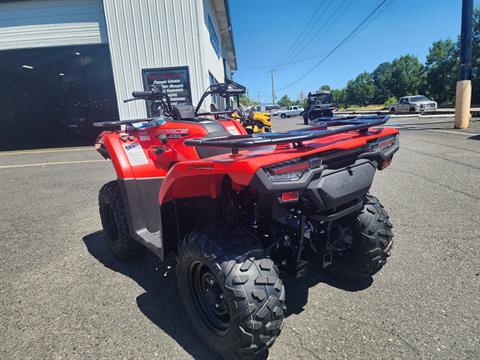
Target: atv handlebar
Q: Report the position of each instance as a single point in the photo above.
(107, 124)
(296, 136)
(143, 94)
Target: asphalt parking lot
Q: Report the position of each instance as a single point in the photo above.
(63, 295)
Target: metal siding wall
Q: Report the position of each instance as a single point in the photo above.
(44, 23)
(215, 63)
(153, 34)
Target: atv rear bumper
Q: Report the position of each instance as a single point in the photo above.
(330, 185)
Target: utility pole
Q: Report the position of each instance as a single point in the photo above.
(463, 96)
(258, 96)
(273, 86)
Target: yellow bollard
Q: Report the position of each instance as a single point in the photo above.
(462, 104)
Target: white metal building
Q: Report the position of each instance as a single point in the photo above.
(70, 48)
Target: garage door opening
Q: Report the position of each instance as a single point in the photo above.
(50, 97)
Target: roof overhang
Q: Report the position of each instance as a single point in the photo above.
(223, 16)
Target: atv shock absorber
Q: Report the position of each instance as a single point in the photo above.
(256, 220)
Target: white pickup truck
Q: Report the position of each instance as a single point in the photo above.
(290, 111)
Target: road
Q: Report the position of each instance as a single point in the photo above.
(64, 296)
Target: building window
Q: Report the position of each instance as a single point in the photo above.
(213, 36)
(52, 96)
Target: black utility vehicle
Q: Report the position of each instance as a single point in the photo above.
(319, 105)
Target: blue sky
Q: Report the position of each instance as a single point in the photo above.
(265, 30)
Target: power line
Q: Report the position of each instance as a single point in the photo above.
(298, 44)
(328, 25)
(287, 53)
(374, 18)
(285, 63)
(299, 38)
(309, 40)
(336, 47)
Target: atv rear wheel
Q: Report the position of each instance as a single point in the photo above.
(372, 243)
(114, 222)
(231, 291)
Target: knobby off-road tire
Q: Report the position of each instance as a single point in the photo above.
(372, 243)
(114, 222)
(244, 282)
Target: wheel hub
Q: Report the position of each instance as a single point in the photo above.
(209, 299)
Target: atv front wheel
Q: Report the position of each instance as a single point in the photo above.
(371, 244)
(114, 222)
(231, 291)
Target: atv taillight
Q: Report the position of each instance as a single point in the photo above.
(384, 164)
(289, 197)
(291, 170)
(381, 144)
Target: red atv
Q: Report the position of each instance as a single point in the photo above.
(236, 208)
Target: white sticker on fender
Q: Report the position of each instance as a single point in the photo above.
(232, 130)
(135, 154)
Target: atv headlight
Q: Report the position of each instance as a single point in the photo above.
(291, 170)
(381, 144)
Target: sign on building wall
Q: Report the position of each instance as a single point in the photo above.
(175, 81)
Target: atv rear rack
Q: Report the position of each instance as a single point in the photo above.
(297, 137)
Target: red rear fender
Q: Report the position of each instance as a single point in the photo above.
(204, 178)
(131, 158)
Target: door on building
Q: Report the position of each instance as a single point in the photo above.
(51, 96)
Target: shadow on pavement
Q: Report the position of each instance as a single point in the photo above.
(161, 302)
(474, 137)
(297, 289)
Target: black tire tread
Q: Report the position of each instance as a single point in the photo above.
(373, 242)
(124, 246)
(376, 236)
(252, 287)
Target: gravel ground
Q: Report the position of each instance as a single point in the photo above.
(64, 296)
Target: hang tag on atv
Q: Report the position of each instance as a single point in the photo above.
(135, 154)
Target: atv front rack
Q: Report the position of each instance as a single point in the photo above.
(297, 137)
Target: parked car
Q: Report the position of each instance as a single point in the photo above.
(290, 111)
(413, 104)
(266, 107)
(319, 105)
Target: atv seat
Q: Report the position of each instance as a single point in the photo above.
(213, 129)
(184, 111)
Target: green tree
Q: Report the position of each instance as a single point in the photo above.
(285, 101)
(246, 101)
(360, 91)
(407, 76)
(476, 55)
(325, 88)
(382, 78)
(339, 97)
(441, 69)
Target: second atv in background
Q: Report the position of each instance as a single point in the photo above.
(319, 104)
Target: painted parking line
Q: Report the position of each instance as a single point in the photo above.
(50, 163)
(45, 151)
(420, 127)
(465, 134)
